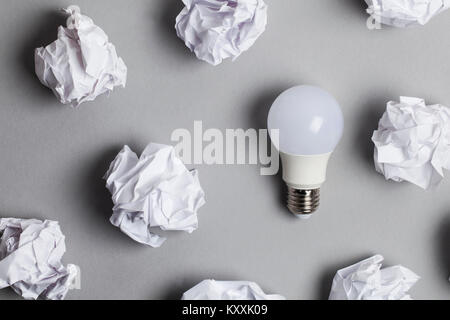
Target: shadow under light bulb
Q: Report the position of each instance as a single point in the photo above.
(310, 125)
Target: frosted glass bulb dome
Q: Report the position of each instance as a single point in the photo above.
(310, 124)
(309, 121)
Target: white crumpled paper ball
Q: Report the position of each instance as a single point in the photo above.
(228, 290)
(30, 259)
(412, 142)
(405, 13)
(366, 280)
(153, 190)
(81, 64)
(218, 29)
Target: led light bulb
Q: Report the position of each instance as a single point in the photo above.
(310, 125)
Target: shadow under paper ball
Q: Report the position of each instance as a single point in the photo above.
(98, 196)
(94, 194)
(371, 114)
(357, 5)
(443, 248)
(9, 294)
(169, 11)
(175, 292)
(42, 30)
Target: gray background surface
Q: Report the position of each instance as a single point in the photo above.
(53, 157)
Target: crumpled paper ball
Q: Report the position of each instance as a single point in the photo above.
(228, 290)
(81, 64)
(153, 190)
(366, 280)
(30, 259)
(218, 29)
(405, 13)
(412, 142)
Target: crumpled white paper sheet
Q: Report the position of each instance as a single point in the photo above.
(412, 142)
(228, 290)
(218, 29)
(81, 64)
(366, 280)
(404, 13)
(30, 259)
(154, 190)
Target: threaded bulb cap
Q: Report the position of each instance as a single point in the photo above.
(303, 202)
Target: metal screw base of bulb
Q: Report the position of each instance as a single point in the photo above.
(303, 202)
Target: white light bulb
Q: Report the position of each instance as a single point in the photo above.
(310, 125)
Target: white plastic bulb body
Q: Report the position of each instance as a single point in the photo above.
(310, 124)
